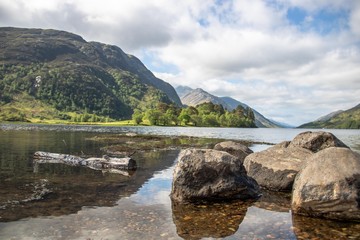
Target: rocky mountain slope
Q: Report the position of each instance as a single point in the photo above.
(340, 119)
(183, 90)
(69, 74)
(193, 97)
(198, 96)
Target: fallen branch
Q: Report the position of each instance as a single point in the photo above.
(106, 163)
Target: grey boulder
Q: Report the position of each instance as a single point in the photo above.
(276, 167)
(328, 185)
(210, 175)
(316, 141)
(234, 148)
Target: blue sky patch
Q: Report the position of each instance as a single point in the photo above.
(296, 16)
(152, 62)
(324, 21)
(203, 22)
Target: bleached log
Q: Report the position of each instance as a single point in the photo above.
(104, 163)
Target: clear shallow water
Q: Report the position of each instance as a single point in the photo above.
(84, 204)
(268, 135)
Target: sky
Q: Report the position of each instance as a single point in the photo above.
(292, 60)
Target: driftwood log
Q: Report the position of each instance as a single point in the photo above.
(108, 164)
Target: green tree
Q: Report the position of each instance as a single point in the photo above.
(164, 119)
(162, 107)
(153, 116)
(93, 118)
(210, 120)
(205, 108)
(222, 120)
(184, 117)
(218, 108)
(232, 119)
(137, 116)
(171, 116)
(250, 114)
(192, 111)
(239, 110)
(196, 120)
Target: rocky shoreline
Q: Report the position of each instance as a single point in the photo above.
(320, 171)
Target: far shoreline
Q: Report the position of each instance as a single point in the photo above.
(109, 129)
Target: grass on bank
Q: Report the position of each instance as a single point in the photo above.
(66, 122)
(26, 109)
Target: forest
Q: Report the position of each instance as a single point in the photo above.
(203, 115)
(79, 93)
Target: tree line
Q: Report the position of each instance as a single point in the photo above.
(203, 115)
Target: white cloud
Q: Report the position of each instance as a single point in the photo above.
(245, 49)
(355, 20)
(131, 25)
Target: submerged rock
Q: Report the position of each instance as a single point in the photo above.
(316, 141)
(275, 168)
(206, 174)
(234, 148)
(198, 221)
(328, 185)
(318, 228)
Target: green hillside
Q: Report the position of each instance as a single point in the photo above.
(349, 119)
(63, 72)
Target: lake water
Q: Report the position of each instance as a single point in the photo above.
(60, 202)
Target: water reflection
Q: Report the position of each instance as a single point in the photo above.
(18, 147)
(218, 220)
(315, 228)
(274, 201)
(265, 224)
(351, 137)
(58, 189)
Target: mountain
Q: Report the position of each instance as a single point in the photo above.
(183, 90)
(328, 116)
(233, 103)
(198, 96)
(65, 73)
(282, 124)
(193, 97)
(349, 119)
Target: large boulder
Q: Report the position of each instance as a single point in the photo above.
(328, 185)
(206, 174)
(234, 148)
(316, 141)
(276, 167)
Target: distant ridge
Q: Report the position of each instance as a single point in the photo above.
(183, 90)
(328, 116)
(198, 96)
(348, 119)
(193, 97)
